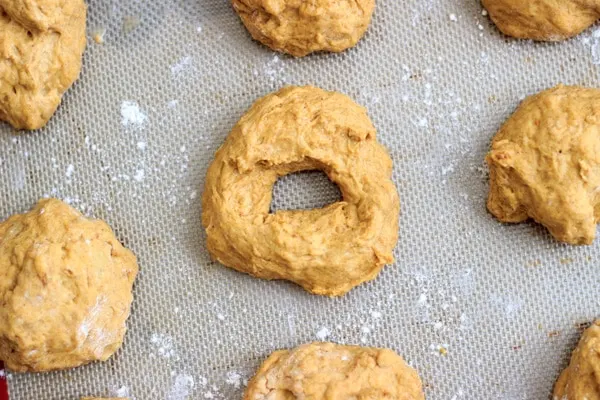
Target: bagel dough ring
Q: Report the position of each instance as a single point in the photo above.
(543, 20)
(545, 164)
(327, 251)
(300, 27)
(320, 371)
(581, 379)
(65, 289)
(41, 50)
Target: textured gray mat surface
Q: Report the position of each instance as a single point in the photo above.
(133, 139)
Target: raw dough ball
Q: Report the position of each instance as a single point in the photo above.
(545, 164)
(41, 46)
(300, 27)
(40, 15)
(581, 379)
(65, 289)
(329, 250)
(320, 371)
(547, 20)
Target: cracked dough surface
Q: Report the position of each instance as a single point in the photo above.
(41, 47)
(65, 289)
(300, 27)
(329, 250)
(581, 379)
(544, 20)
(329, 371)
(545, 164)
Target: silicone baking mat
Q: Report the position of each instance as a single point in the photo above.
(481, 310)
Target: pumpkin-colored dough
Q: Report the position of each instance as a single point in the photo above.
(41, 47)
(40, 15)
(543, 20)
(581, 379)
(545, 164)
(65, 289)
(300, 27)
(320, 371)
(329, 250)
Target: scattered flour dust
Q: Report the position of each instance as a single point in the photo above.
(323, 333)
(273, 69)
(123, 392)
(234, 379)
(181, 388)
(181, 66)
(131, 114)
(139, 175)
(163, 344)
(458, 395)
(592, 40)
(70, 170)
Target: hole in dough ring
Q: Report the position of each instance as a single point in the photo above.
(327, 251)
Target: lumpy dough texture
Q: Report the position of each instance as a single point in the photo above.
(320, 371)
(300, 27)
(544, 20)
(40, 15)
(65, 289)
(41, 47)
(581, 379)
(329, 250)
(545, 164)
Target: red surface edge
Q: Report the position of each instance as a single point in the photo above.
(3, 385)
